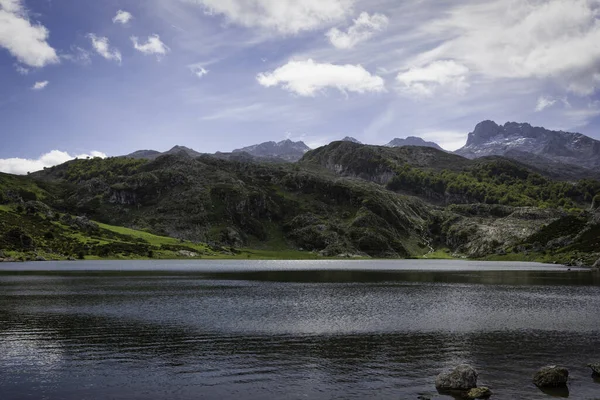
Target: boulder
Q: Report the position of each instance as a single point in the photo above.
(551, 376)
(187, 253)
(462, 377)
(595, 368)
(479, 393)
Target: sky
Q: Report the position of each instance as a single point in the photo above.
(85, 78)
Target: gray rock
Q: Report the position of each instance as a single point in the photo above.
(40, 258)
(187, 253)
(462, 377)
(595, 368)
(551, 376)
(596, 264)
(479, 393)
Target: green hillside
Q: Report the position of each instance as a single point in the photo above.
(343, 199)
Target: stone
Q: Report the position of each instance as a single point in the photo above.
(596, 264)
(479, 393)
(462, 377)
(551, 376)
(595, 368)
(40, 258)
(187, 253)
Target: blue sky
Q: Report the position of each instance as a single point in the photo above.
(81, 77)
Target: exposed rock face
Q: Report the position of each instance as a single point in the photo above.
(462, 377)
(551, 376)
(479, 393)
(595, 367)
(489, 139)
(412, 141)
(286, 150)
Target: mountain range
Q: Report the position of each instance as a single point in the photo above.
(563, 155)
(342, 199)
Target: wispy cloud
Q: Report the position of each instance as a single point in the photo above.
(102, 46)
(40, 85)
(439, 75)
(198, 69)
(544, 102)
(122, 17)
(152, 46)
(363, 28)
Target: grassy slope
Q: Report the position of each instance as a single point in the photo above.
(124, 235)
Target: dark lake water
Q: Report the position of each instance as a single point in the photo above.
(291, 330)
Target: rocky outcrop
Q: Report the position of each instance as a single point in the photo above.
(479, 393)
(81, 223)
(595, 368)
(551, 376)
(462, 377)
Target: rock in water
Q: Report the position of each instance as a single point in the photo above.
(595, 368)
(479, 393)
(551, 376)
(462, 377)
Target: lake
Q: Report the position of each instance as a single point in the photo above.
(291, 329)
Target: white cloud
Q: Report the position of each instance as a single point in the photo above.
(153, 46)
(307, 78)
(443, 75)
(542, 39)
(21, 69)
(102, 47)
(40, 85)
(364, 27)
(122, 17)
(544, 102)
(24, 40)
(283, 16)
(198, 70)
(21, 166)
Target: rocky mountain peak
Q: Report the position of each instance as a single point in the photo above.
(483, 131)
(351, 139)
(286, 150)
(491, 139)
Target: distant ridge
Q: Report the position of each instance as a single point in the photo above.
(287, 150)
(413, 141)
(152, 154)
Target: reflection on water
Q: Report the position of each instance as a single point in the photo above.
(259, 333)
